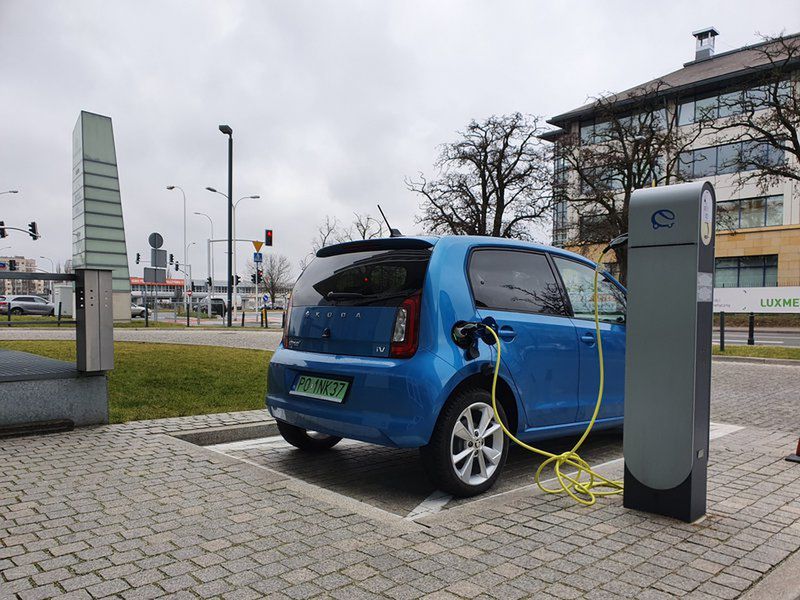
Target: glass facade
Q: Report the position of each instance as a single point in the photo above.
(718, 106)
(763, 211)
(746, 271)
(726, 158)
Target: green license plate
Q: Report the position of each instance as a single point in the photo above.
(320, 388)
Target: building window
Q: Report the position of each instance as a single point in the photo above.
(718, 160)
(746, 271)
(730, 103)
(560, 225)
(764, 211)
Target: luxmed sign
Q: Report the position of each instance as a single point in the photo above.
(757, 300)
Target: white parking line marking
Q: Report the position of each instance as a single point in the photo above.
(274, 441)
(431, 505)
(719, 430)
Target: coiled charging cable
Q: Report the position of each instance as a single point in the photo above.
(584, 485)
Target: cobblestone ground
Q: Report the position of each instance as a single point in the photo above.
(126, 511)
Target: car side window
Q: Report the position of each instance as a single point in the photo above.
(514, 280)
(23, 299)
(579, 282)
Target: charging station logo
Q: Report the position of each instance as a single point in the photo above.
(663, 218)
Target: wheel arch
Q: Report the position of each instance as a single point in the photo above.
(505, 395)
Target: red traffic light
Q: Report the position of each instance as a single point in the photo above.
(268, 237)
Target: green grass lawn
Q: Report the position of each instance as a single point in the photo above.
(759, 351)
(152, 381)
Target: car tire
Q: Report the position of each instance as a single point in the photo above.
(304, 440)
(469, 475)
(17, 311)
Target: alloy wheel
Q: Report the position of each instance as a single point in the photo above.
(476, 444)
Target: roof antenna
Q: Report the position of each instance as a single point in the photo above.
(392, 232)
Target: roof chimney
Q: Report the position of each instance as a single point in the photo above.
(704, 48)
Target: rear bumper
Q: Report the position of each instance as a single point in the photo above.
(391, 402)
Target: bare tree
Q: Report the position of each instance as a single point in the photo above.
(763, 113)
(634, 142)
(277, 270)
(327, 233)
(495, 180)
(366, 227)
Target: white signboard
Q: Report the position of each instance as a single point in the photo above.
(757, 300)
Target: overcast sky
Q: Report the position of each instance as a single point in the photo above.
(332, 103)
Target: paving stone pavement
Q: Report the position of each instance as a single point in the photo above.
(126, 511)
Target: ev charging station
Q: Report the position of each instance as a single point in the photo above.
(668, 352)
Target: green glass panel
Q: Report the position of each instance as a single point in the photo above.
(103, 220)
(104, 233)
(99, 259)
(111, 183)
(105, 246)
(98, 138)
(106, 208)
(99, 194)
(96, 168)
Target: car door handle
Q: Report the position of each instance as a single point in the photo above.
(507, 333)
(588, 338)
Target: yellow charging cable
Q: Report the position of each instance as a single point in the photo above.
(582, 490)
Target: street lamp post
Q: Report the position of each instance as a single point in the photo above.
(52, 270)
(210, 265)
(226, 130)
(10, 192)
(177, 187)
(235, 239)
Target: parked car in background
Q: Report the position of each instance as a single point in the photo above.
(26, 305)
(217, 307)
(138, 311)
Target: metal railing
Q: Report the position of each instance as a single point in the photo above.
(26, 276)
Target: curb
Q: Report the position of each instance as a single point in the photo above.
(782, 583)
(227, 433)
(757, 360)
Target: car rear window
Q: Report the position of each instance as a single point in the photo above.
(371, 278)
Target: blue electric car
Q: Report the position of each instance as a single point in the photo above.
(368, 351)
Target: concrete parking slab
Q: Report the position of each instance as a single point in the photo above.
(395, 481)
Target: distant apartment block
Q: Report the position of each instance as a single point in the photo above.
(23, 265)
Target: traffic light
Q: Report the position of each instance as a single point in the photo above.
(138, 257)
(33, 230)
(259, 275)
(209, 283)
(193, 287)
(3, 229)
(253, 278)
(177, 266)
(171, 258)
(238, 280)
(12, 265)
(268, 237)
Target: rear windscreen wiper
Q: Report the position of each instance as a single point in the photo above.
(344, 295)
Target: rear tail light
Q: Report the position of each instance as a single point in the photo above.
(286, 316)
(405, 336)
